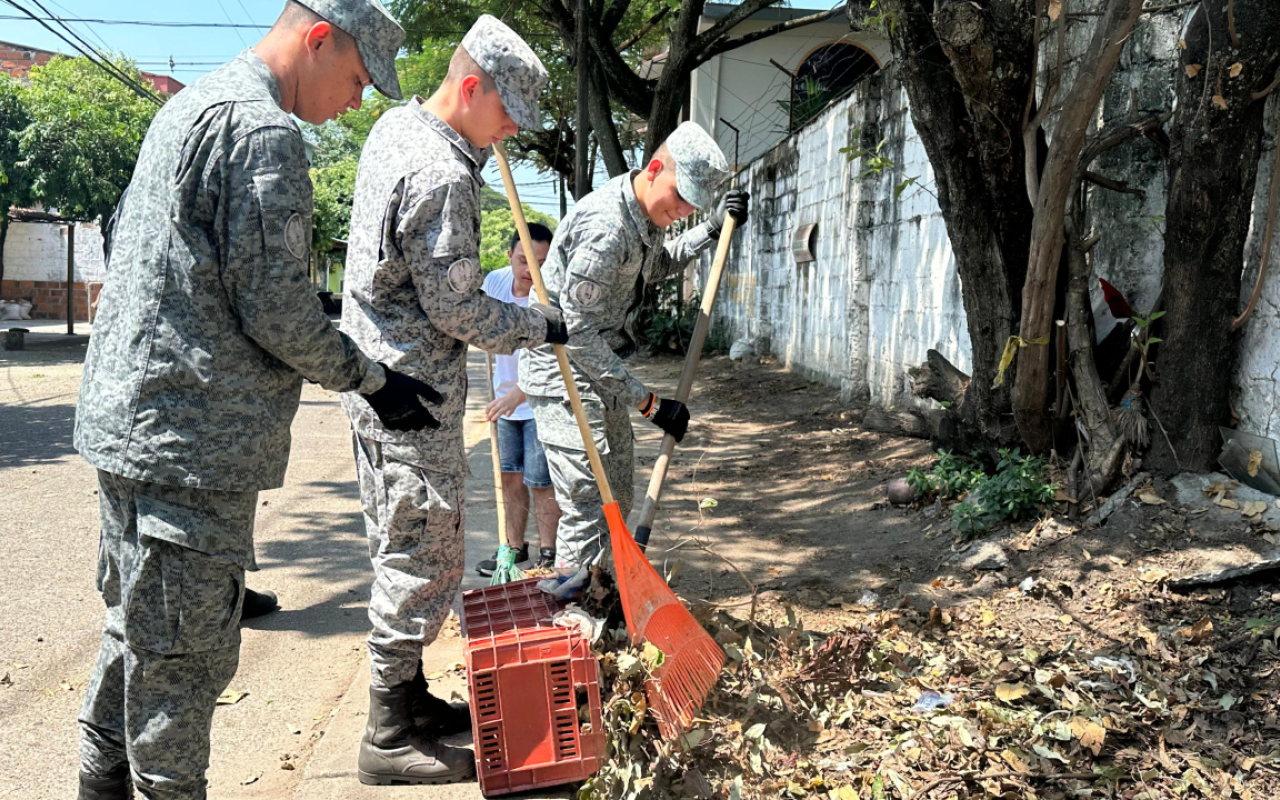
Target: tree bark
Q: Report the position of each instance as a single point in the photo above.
(1040, 291)
(4, 234)
(977, 157)
(615, 161)
(939, 379)
(1213, 168)
(581, 159)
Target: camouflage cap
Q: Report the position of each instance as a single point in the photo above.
(377, 34)
(514, 67)
(701, 168)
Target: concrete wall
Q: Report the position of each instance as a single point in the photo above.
(883, 287)
(37, 251)
(744, 88)
(35, 267)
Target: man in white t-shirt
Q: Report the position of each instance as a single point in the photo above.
(523, 461)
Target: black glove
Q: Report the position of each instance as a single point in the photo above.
(398, 405)
(733, 204)
(671, 416)
(557, 331)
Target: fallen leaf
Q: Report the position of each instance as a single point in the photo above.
(1220, 101)
(1227, 701)
(1225, 503)
(6, 680)
(1255, 461)
(1182, 44)
(847, 792)
(230, 697)
(1154, 576)
(1055, 9)
(708, 502)
(1089, 733)
(1198, 632)
(1236, 69)
(1065, 619)
(251, 779)
(1010, 692)
(1253, 508)
(1194, 69)
(1151, 498)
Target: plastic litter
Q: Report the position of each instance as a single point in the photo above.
(932, 701)
(574, 618)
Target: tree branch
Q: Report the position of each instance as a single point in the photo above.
(733, 44)
(613, 15)
(1113, 185)
(1119, 133)
(728, 22)
(645, 28)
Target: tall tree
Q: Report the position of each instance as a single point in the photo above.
(15, 178)
(83, 139)
(1226, 70)
(969, 74)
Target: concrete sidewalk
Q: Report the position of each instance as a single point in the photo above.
(301, 686)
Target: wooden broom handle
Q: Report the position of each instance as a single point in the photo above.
(566, 372)
(497, 460)
(699, 338)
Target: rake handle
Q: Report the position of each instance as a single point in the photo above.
(497, 460)
(699, 338)
(562, 356)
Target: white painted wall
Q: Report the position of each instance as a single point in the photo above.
(37, 251)
(883, 289)
(743, 87)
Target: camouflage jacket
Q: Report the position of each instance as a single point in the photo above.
(411, 294)
(596, 256)
(208, 321)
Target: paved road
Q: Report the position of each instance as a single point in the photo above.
(294, 734)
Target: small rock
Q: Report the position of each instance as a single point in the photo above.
(986, 557)
(900, 492)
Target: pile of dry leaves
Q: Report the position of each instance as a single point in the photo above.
(983, 700)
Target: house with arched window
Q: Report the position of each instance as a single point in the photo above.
(769, 88)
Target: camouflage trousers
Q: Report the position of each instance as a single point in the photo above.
(171, 640)
(413, 518)
(583, 530)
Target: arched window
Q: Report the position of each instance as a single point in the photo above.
(825, 75)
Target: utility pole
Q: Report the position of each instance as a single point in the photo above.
(581, 157)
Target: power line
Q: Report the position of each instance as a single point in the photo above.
(105, 66)
(105, 62)
(228, 16)
(145, 23)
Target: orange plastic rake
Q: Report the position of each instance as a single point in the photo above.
(654, 614)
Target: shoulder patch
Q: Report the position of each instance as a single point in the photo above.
(295, 237)
(464, 275)
(587, 293)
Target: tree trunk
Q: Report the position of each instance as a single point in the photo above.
(615, 162)
(1213, 168)
(977, 166)
(4, 234)
(939, 379)
(1040, 291)
(582, 129)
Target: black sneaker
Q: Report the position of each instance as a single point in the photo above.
(546, 559)
(489, 565)
(258, 604)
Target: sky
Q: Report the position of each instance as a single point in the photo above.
(196, 51)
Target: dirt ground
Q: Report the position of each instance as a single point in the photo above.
(1067, 665)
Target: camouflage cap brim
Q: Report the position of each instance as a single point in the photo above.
(382, 70)
(521, 109)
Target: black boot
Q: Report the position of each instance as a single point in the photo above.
(258, 604)
(393, 752)
(433, 716)
(117, 785)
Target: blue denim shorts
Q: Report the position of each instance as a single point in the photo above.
(520, 451)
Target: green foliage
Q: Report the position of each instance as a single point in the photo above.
(84, 136)
(669, 324)
(335, 189)
(815, 99)
(951, 476)
(15, 178)
(1018, 489)
(496, 228)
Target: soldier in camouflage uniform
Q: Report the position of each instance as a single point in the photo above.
(207, 326)
(593, 273)
(414, 301)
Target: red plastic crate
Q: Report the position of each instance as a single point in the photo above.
(527, 680)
